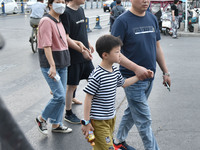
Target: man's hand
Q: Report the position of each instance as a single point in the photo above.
(166, 79)
(142, 73)
(86, 129)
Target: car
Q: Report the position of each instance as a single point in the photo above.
(106, 5)
(10, 6)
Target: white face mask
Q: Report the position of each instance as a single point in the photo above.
(59, 8)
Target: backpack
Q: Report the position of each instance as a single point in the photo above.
(118, 12)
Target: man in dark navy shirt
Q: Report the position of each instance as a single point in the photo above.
(139, 32)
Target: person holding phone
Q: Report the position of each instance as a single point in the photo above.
(139, 31)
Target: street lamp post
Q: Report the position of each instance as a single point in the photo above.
(186, 17)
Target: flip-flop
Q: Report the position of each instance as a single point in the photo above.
(75, 101)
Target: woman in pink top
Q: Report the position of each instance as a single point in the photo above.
(54, 60)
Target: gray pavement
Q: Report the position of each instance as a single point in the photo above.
(175, 114)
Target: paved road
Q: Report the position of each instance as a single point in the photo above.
(175, 114)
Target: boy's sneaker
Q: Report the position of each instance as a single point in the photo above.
(122, 146)
(42, 126)
(72, 119)
(62, 129)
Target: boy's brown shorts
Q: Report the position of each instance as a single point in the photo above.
(103, 131)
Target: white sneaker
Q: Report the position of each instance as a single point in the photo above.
(174, 36)
(42, 126)
(62, 129)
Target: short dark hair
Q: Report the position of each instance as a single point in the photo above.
(176, 1)
(118, 1)
(106, 43)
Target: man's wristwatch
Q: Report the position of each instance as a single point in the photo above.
(166, 74)
(85, 122)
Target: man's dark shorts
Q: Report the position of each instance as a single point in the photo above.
(77, 72)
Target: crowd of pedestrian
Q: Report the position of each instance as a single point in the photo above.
(65, 56)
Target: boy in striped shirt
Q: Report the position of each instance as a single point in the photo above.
(99, 105)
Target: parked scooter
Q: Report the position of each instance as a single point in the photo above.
(193, 18)
(166, 23)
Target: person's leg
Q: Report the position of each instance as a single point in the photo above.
(63, 77)
(69, 115)
(33, 22)
(69, 96)
(176, 25)
(55, 107)
(85, 69)
(103, 131)
(112, 19)
(141, 112)
(75, 100)
(173, 29)
(112, 126)
(125, 125)
(127, 120)
(137, 95)
(60, 127)
(73, 81)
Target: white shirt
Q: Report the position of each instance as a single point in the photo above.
(37, 10)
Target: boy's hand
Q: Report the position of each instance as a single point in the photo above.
(141, 73)
(86, 129)
(150, 73)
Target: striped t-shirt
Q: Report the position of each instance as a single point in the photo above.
(102, 85)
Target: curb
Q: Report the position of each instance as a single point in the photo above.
(188, 34)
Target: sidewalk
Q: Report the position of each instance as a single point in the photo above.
(188, 34)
